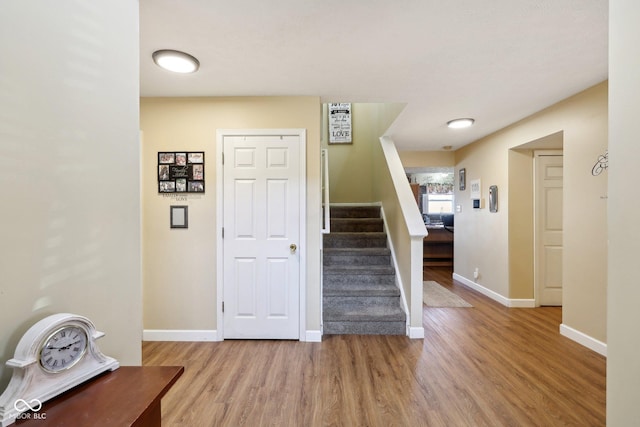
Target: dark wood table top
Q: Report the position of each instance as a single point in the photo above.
(116, 398)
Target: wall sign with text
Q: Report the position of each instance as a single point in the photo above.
(340, 123)
(181, 172)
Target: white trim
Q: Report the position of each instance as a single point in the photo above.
(326, 203)
(302, 134)
(357, 204)
(522, 303)
(180, 335)
(583, 339)
(302, 323)
(219, 242)
(416, 333)
(514, 303)
(313, 336)
(406, 200)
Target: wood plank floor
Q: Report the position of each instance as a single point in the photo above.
(483, 366)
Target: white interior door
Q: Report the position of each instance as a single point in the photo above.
(261, 234)
(549, 174)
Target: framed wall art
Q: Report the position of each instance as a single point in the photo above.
(181, 172)
(340, 123)
(179, 216)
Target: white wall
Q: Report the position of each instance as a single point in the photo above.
(623, 357)
(69, 170)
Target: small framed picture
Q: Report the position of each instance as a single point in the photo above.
(167, 186)
(196, 187)
(181, 159)
(179, 216)
(462, 179)
(197, 157)
(181, 185)
(166, 158)
(198, 172)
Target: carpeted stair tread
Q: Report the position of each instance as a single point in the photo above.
(355, 212)
(357, 251)
(356, 256)
(357, 234)
(357, 289)
(355, 313)
(365, 328)
(360, 295)
(342, 225)
(359, 269)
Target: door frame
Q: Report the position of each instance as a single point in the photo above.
(536, 237)
(219, 223)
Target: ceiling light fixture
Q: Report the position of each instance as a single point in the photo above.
(460, 123)
(176, 61)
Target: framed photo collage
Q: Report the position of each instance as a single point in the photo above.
(181, 172)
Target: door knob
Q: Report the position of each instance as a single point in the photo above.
(293, 248)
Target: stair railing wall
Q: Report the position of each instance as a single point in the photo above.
(326, 211)
(405, 228)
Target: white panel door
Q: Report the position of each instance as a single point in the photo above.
(261, 233)
(549, 174)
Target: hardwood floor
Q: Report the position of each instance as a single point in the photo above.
(483, 366)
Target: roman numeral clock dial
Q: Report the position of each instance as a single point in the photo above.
(54, 355)
(63, 349)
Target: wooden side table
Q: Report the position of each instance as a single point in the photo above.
(128, 396)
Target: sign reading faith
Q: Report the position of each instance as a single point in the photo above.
(340, 123)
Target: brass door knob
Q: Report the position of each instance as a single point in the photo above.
(293, 248)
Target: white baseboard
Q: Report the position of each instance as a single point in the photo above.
(313, 336)
(356, 204)
(522, 303)
(584, 339)
(179, 335)
(508, 302)
(416, 333)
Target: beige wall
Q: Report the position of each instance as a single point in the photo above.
(179, 265)
(623, 363)
(351, 166)
(69, 150)
(483, 239)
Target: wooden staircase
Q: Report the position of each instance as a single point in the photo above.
(360, 295)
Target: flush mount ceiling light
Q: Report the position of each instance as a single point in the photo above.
(460, 123)
(176, 61)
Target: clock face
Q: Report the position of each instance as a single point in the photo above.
(63, 348)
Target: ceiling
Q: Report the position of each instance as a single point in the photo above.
(497, 61)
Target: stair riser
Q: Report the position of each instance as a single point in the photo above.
(356, 260)
(337, 241)
(348, 292)
(355, 212)
(360, 301)
(342, 279)
(364, 328)
(351, 227)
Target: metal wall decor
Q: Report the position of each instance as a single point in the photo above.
(181, 172)
(601, 165)
(462, 179)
